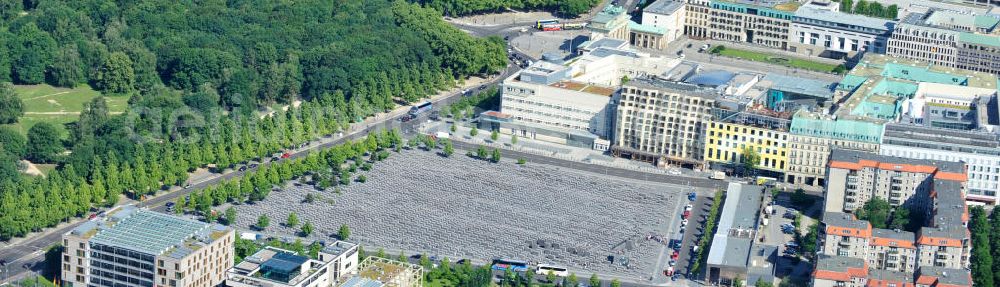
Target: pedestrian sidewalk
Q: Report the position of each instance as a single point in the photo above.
(549, 149)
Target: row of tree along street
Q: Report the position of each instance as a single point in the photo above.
(196, 93)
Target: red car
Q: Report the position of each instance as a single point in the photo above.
(675, 255)
(286, 155)
(687, 213)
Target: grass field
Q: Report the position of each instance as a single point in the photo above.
(778, 60)
(44, 103)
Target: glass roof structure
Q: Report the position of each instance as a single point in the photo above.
(148, 232)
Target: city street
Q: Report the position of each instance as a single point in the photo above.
(24, 257)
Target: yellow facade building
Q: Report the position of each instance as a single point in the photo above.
(727, 139)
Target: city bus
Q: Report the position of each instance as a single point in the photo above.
(574, 26)
(540, 23)
(416, 110)
(544, 269)
(512, 265)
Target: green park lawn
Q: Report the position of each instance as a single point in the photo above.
(775, 59)
(58, 106)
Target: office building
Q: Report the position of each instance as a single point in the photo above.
(136, 247)
(880, 87)
(391, 273)
(667, 15)
(663, 121)
(951, 106)
(570, 104)
(763, 132)
(275, 267)
(736, 251)
(764, 23)
(696, 18)
(813, 135)
(980, 151)
(836, 35)
(949, 39)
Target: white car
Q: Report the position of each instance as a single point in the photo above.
(675, 172)
(684, 222)
(688, 207)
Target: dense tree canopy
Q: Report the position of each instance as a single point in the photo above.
(463, 7)
(11, 106)
(204, 75)
(44, 145)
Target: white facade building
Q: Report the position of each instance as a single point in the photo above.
(668, 15)
(560, 103)
(274, 267)
(980, 152)
(831, 34)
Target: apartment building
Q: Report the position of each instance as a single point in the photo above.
(882, 249)
(940, 276)
(813, 135)
(839, 271)
(929, 187)
(663, 121)
(275, 267)
(836, 35)
(946, 247)
(949, 39)
(136, 247)
(846, 235)
(892, 250)
(898, 257)
(980, 151)
(854, 178)
(764, 23)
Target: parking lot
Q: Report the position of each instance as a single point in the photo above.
(692, 233)
(461, 207)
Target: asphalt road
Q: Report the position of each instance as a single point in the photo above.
(600, 169)
(26, 256)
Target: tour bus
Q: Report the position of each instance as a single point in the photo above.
(552, 27)
(512, 265)
(540, 23)
(544, 269)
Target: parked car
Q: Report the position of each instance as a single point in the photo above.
(686, 214)
(688, 207)
(692, 196)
